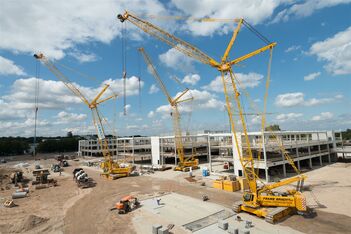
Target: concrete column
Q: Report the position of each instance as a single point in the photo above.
(124, 148)
(162, 159)
(133, 150)
(297, 151)
(328, 153)
(265, 157)
(319, 143)
(310, 159)
(298, 160)
(175, 151)
(284, 163)
(319, 150)
(209, 156)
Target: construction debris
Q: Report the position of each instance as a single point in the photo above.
(9, 203)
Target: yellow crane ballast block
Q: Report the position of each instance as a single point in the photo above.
(231, 186)
(218, 184)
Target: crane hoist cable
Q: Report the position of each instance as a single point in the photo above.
(139, 81)
(124, 65)
(36, 104)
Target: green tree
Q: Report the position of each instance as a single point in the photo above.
(273, 127)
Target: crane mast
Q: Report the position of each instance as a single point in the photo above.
(110, 168)
(184, 162)
(254, 200)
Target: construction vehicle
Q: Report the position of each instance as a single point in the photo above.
(184, 162)
(111, 169)
(42, 179)
(82, 179)
(56, 168)
(126, 204)
(259, 200)
(16, 177)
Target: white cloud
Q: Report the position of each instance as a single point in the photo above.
(153, 89)
(292, 48)
(305, 8)
(65, 117)
(249, 80)
(177, 61)
(191, 79)
(52, 27)
(84, 57)
(151, 114)
(323, 116)
(8, 67)
(336, 51)
(254, 11)
(311, 76)
(288, 117)
(127, 109)
(54, 94)
(132, 86)
(201, 100)
(298, 99)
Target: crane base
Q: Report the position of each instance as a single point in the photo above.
(113, 176)
(271, 214)
(185, 169)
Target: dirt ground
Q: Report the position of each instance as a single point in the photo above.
(67, 209)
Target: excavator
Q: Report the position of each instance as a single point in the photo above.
(111, 169)
(260, 200)
(185, 163)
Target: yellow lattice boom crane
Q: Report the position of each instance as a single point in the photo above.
(111, 169)
(184, 162)
(258, 200)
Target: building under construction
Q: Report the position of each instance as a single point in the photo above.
(308, 149)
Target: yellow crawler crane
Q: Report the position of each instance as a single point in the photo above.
(184, 162)
(259, 200)
(111, 169)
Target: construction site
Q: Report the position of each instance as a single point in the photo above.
(236, 181)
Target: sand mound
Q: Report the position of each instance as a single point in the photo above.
(30, 222)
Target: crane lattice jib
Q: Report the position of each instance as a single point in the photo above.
(92, 105)
(61, 77)
(168, 38)
(154, 72)
(178, 133)
(173, 103)
(101, 136)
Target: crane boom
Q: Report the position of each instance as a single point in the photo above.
(175, 113)
(171, 40)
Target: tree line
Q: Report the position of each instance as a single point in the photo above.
(21, 145)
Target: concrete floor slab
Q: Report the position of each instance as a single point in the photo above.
(179, 209)
(259, 226)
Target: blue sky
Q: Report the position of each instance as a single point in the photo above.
(310, 78)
